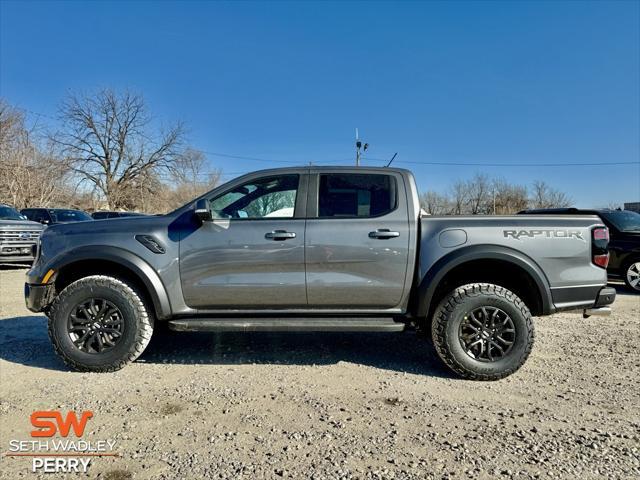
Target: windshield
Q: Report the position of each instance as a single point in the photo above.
(64, 216)
(8, 213)
(624, 220)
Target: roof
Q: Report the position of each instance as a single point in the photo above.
(329, 168)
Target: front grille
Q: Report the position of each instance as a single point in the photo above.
(10, 237)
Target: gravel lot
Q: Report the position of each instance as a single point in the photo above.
(336, 405)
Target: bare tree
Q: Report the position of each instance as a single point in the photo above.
(109, 142)
(544, 196)
(30, 173)
(189, 177)
(508, 198)
(478, 191)
(435, 203)
(459, 198)
(485, 195)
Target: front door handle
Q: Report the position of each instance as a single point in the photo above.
(279, 235)
(383, 234)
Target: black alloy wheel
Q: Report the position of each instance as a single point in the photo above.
(487, 334)
(95, 325)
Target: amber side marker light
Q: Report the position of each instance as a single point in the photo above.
(48, 275)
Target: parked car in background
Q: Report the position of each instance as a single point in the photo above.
(103, 215)
(18, 236)
(50, 216)
(624, 243)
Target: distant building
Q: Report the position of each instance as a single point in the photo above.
(633, 206)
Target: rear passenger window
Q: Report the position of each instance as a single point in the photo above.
(356, 195)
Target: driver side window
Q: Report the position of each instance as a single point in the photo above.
(271, 197)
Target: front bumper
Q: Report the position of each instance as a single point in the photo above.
(16, 259)
(37, 297)
(17, 253)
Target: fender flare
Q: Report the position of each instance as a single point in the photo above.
(140, 268)
(429, 283)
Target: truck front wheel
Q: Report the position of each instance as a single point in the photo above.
(482, 331)
(99, 324)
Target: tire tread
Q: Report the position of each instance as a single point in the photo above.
(457, 297)
(143, 331)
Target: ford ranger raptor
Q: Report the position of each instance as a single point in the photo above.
(317, 249)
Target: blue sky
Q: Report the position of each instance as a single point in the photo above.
(451, 82)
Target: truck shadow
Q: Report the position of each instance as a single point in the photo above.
(24, 340)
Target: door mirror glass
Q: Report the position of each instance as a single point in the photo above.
(202, 210)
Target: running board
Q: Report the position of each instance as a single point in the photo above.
(286, 324)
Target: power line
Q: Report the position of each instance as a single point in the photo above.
(269, 160)
(506, 164)
(409, 162)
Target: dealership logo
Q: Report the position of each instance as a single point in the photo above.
(56, 444)
(45, 427)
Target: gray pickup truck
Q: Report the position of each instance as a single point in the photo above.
(317, 249)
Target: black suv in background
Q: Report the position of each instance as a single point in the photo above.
(624, 243)
(50, 216)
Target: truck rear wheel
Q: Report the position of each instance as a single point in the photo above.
(99, 324)
(482, 331)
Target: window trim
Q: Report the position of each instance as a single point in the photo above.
(300, 204)
(313, 203)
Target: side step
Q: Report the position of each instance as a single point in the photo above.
(287, 324)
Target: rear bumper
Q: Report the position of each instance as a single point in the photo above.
(37, 297)
(582, 297)
(606, 296)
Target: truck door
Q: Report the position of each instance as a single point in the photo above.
(357, 240)
(252, 254)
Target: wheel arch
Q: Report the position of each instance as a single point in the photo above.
(490, 264)
(117, 262)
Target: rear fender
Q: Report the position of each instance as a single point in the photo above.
(430, 281)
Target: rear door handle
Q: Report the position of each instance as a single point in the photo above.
(383, 234)
(279, 235)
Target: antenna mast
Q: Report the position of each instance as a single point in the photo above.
(359, 145)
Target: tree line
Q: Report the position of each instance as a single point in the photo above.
(105, 152)
(483, 195)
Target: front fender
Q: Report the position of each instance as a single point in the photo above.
(133, 263)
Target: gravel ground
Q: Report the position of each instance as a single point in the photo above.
(337, 405)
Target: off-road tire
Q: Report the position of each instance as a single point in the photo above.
(447, 320)
(138, 324)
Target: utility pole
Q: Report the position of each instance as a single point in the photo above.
(359, 145)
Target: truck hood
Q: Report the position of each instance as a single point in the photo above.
(21, 224)
(140, 224)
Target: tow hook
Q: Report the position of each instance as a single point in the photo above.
(596, 311)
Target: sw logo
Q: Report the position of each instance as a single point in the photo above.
(47, 427)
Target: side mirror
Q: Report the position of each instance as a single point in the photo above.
(46, 222)
(202, 210)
